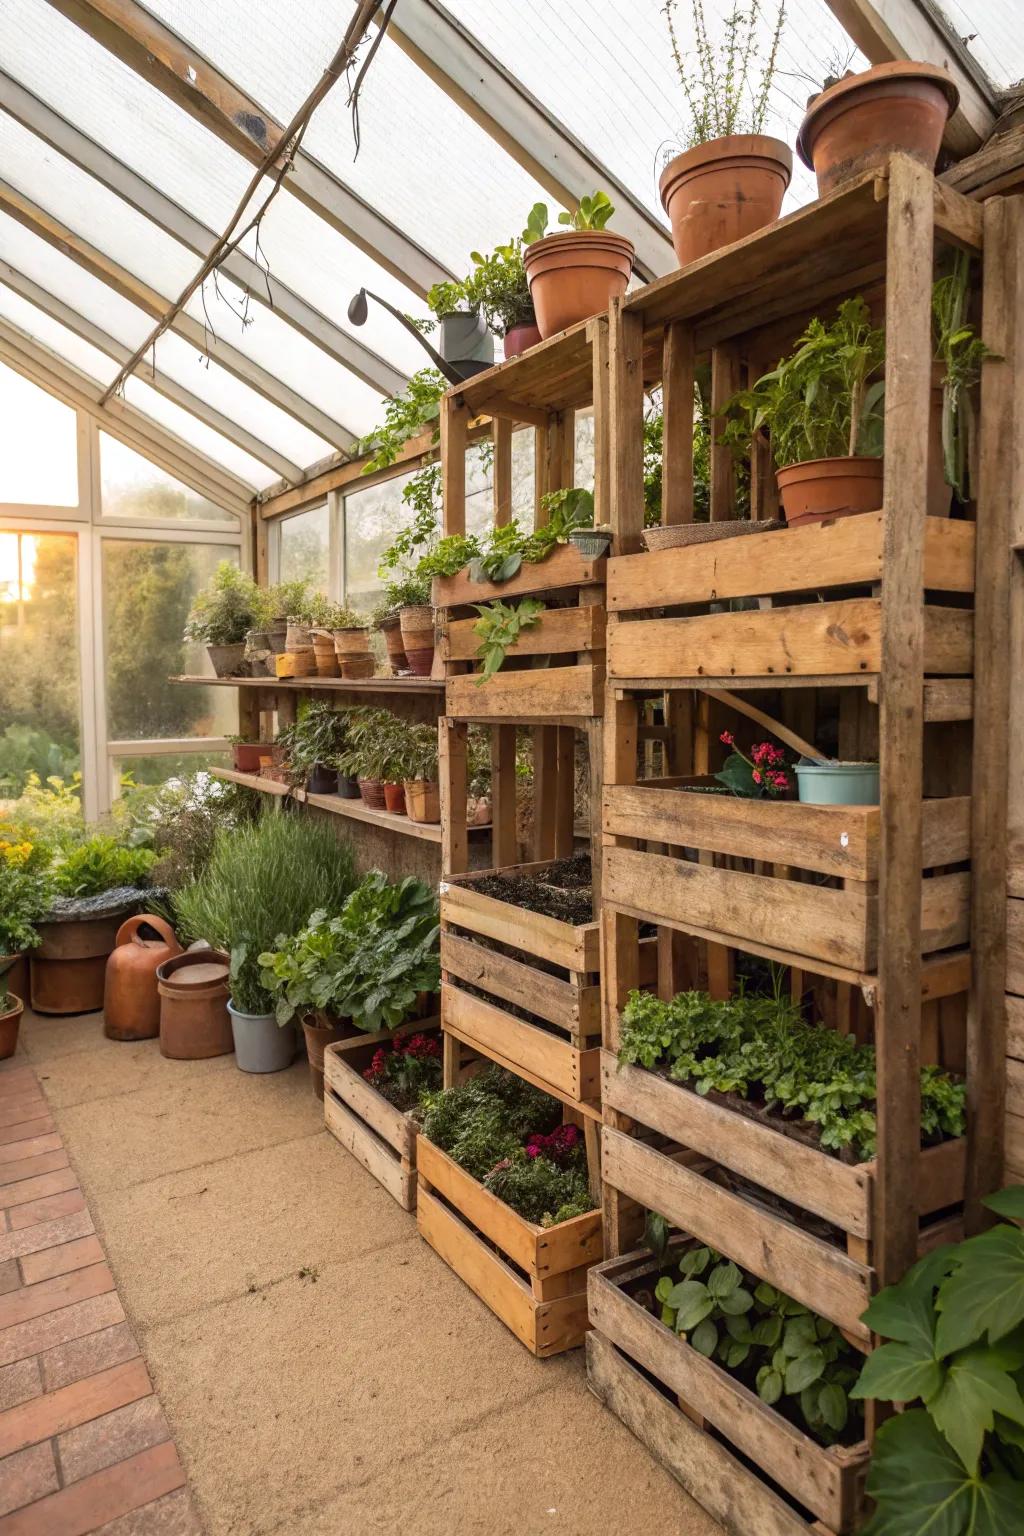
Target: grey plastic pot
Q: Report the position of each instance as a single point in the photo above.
(464, 339)
(838, 783)
(261, 1044)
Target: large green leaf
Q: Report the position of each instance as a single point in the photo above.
(723, 1279)
(1008, 1202)
(804, 1370)
(906, 1311)
(997, 1507)
(976, 1387)
(985, 1293)
(898, 1373)
(918, 1481)
(692, 1302)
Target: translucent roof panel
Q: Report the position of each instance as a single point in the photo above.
(993, 34)
(71, 348)
(198, 434)
(65, 280)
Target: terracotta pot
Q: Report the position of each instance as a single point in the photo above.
(520, 338)
(68, 970)
(394, 646)
(17, 976)
(322, 781)
(575, 275)
(422, 800)
(358, 666)
(9, 1022)
(724, 190)
(325, 656)
(351, 642)
(830, 488)
(193, 992)
(298, 635)
(418, 638)
(860, 121)
(226, 660)
(318, 1037)
(394, 799)
(131, 1003)
(372, 791)
(478, 811)
(245, 755)
(421, 662)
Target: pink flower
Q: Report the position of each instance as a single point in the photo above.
(727, 739)
(756, 775)
(532, 1150)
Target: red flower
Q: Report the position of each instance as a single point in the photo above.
(756, 775)
(727, 739)
(532, 1150)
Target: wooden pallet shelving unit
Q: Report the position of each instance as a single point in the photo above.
(880, 625)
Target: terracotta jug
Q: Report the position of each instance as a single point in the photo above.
(131, 1006)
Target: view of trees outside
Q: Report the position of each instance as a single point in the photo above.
(373, 515)
(132, 487)
(305, 551)
(39, 688)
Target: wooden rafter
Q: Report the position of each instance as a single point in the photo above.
(170, 64)
(132, 288)
(176, 221)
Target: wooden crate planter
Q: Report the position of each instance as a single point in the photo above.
(821, 1483)
(777, 840)
(544, 1058)
(380, 1136)
(574, 947)
(564, 568)
(533, 1278)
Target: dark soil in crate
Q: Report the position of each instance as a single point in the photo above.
(562, 890)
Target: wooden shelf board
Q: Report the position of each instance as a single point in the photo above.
(556, 374)
(322, 684)
(355, 810)
(251, 781)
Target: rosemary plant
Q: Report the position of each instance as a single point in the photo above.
(719, 80)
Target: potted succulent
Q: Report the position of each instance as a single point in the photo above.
(263, 880)
(731, 177)
(11, 1009)
(822, 408)
(463, 339)
(577, 273)
(503, 293)
(418, 765)
(222, 615)
(857, 122)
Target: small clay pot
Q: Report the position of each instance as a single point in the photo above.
(351, 642)
(418, 638)
(421, 662)
(520, 338)
(357, 666)
(575, 275)
(193, 991)
(394, 799)
(394, 645)
(422, 800)
(131, 1002)
(245, 755)
(860, 121)
(372, 791)
(10, 1019)
(824, 488)
(227, 660)
(724, 190)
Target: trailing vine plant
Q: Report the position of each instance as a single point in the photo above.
(499, 626)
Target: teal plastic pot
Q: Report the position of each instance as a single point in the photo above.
(837, 783)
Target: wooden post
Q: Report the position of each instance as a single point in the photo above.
(565, 792)
(454, 789)
(597, 332)
(501, 432)
(545, 789)
(504, 844)
(910, 245)
(1000, 515)
(595, 755)
(454, 441)
(626, 418)
(677, 427)
(725, 381)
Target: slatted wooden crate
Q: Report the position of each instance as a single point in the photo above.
(380, 1136)
(806, 1482)
(769, 860)
(533, 1278)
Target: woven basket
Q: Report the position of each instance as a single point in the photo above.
(351, 642)
(295, 663)
(418, 618)
(677, 534)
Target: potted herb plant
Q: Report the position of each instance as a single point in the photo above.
(577, 273)
(418, 764)
(11, 1009)
(502, 291)
(262, 880)
(856, 123)
(822, 410)
(372, 754)
(313, 744)
(221, 615)
(351, 634)
(731, 177)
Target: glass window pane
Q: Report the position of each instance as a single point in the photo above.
(159, 768)
(39, 462)
(373, 516)
(39, 689)
(148, 587)
(305, 551)
(132, 487)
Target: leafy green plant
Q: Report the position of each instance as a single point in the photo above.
(592, 213)
(499, 287)
(499, 626)
(263, 879)
(416, 753)
(955, 1464)
(961, 352)
(317, 738)
(101, 863)
(180, 820)
(777, 1346)
(25, 898)
(225, 608)
(824, 401)
(506, 548)
(448, 298)
(422, 495)
(407, 591)
(721, 96)
(761, 1045)
(405, 415)
(323, 614)
(374, 742)
(449, 555)
(368, 964)
(654, 433)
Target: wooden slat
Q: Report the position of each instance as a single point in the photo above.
(813, 640)
(574, 948)
(367, 1148)
(573, 1008)
(571, 1073)
(504, 833)
(560, 695)
(809, 1270)
(1015, 1027)
(625, 411)
(1015, 945)
(559, 631)
(847, 552)
(705, 1468)
(343, 1074)
(677, 384)
(564, 567)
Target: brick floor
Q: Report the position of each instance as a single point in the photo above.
(84, 1444)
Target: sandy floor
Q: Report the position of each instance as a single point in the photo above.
(323, 1370)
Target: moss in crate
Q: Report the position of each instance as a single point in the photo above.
(507, 1134)
(562, 890)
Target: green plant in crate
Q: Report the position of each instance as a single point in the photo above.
(955, 1464)
(505, 548)
(368, 964)
(403, 1071)
(499, 626)
(449, 555)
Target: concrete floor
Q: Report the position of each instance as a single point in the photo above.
(322, 1370)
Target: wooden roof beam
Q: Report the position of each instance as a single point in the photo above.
(884, 30)
(488, 93)
(164, 385)
(176, 221)
(132, 288)
(127, 30)
(44, 367)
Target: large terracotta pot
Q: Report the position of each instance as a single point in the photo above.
(246, 755)
(69, 968)
(319, 1035)
(417, 622)
(193, 991)
(520, 338)
(723, 190)
(575, 275)
(11, 1010)
(830, 488)
(860, 121)
(131, 1002)
(394, 645)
